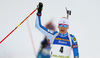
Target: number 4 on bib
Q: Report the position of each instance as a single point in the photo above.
(61, 50)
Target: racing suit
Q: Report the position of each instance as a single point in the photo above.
(61, 43)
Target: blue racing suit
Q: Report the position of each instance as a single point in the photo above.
(61, 43)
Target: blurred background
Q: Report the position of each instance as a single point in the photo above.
(84, 24)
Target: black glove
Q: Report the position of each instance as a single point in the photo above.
(40, 5)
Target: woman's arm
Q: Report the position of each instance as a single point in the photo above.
(41, 28)
(75, 47)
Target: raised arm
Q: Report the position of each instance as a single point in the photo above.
(39, 26)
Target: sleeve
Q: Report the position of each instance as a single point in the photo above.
(75, 46)
(45, 31)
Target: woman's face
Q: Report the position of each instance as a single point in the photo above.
(63, 29)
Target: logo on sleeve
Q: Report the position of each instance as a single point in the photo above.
(50, 31)
(74, 39)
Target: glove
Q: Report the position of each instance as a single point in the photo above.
(76, 57)
(40, 5)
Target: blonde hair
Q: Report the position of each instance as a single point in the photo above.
(64, 17)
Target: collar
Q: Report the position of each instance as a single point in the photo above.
(63, 35)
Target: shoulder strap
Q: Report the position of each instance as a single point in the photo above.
(70, 39)
(54, 38)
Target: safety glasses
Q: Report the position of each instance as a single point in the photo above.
(61, 25)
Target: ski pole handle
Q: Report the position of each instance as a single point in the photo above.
(18, 26)
(68, 13)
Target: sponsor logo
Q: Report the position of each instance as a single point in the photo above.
(63, 42)
(60, 56)
(61, 39)
(63, 22)
(51, 31)
(74, 39)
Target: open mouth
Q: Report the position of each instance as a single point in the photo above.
(62, 30)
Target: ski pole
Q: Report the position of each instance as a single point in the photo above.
(18, 26)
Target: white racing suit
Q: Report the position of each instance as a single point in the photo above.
(61, 44)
